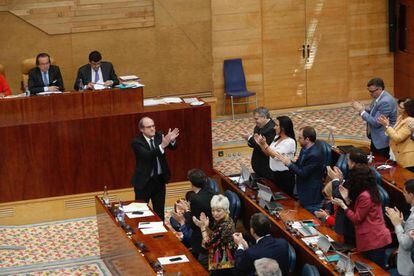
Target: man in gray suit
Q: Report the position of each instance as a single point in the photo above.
(95, 72)
(383, 104)
(405, 265)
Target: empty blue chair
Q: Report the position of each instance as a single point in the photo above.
(235, 205)
(326, 151)
(342, 164)
(213, 185)
(310, 270)
(235, 84)
(378, 176)
(292, 258)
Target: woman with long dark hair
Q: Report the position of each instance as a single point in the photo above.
(365, 212)
(284, 143)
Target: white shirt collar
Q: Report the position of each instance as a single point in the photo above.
(257, 241)
(377, 99)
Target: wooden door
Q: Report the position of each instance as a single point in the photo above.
(284, 79)
(327, 51)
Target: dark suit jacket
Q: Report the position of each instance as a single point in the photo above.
(85, 73)
(145, 158)
(260, 161)
(36, 84)
(309, 172)
(199, 203)
(267, 247)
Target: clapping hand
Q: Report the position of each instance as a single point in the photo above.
(245, 135)
(284, 159)
(383, 120)
(170, 137)
(183, 205)
(394, 215)
(322, 214)
(239, 240)
(339, 202)
(358, 106)
(260, 140)
(344, 192)
(179, 217)
(203, 222)
(335, 173)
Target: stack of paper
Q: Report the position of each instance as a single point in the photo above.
(129, 78)
(150, 102)
(49, 92)
(135, 206)
(152, 227)
(172, 100)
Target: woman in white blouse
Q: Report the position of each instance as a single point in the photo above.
(284, 143)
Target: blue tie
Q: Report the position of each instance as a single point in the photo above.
(96, 76)
(45, 78)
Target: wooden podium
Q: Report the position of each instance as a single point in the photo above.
(78, 142)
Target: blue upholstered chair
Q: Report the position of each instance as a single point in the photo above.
(342, 164)
(292, 258)
(235, 205)
(310, 270)
(213, 185)
(326, 151)
(384, 197)
(235, 84)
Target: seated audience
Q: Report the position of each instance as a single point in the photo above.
(401, 144)
(372, 236)
(198, 202)
(267, 267)
(96, 71)
(405, 265)
(45, 76)
(324, 215)
(218, 236)
(4, 87)
(309, 170)
(285, 144)
(265, 127)
(265, 246)
(177, 221)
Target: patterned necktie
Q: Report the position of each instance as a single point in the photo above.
(45, 78)
(155, 171)
(96, 76)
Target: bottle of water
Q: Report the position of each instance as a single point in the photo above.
(105, 197)
(80, 84)
(27, 92)
(120, 214)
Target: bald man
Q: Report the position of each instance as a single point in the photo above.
(151, 171)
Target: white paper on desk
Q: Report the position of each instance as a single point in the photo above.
(128, 78)
(153, 230)
(99, 86)
(172, 100)
(145, 214)
(166, 260)
(190, 100)
(135, 206)
(151, 102)
(49, 92)
(15, 96)
(150, 224)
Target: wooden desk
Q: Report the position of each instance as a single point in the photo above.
(122, 257)
(79, 142)
(294, 212)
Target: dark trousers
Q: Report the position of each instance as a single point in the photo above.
(376, 255)
(382, 152)
(285, 180)
(154, 190)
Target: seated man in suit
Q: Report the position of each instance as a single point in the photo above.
(44, 77)
(96, 71)
(383, 104)
(309, 170)
(266, 247)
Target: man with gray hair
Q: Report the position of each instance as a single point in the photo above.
(267, 267)
(265, 127)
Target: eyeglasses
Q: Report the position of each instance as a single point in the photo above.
(372, 91)
(151, 126)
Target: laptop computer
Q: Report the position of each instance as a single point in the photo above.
(266, 189)
(325, 245)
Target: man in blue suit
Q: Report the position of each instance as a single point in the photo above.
(309, 170)
(265, 247)
(383, 104)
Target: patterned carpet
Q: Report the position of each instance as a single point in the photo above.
(71, 247)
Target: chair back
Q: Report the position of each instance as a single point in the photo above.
(342, 164)
(2, 72)
(310, 270)
(27, 65)
(378, 176)
(384, 197)
(326, 151)
(292, 258)
(235, 205)
(213, 185)
(234, 79)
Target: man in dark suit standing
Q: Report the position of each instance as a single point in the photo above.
(265, 127)
(44, 77)
(265, 247)
(309, 170)
(151, 171)
(95, 72)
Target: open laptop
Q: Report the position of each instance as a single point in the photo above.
(266, 189)
(270, 205)
(325, 245)
(246, 178)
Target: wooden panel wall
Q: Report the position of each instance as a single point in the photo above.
(266, 33)
(172, 57)
(404, 60)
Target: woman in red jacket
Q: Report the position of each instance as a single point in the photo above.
(372, 236)
(4, 87)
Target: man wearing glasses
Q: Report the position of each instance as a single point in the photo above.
(44, 77)
(383, 104)
(151, 171)
(95, 72)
